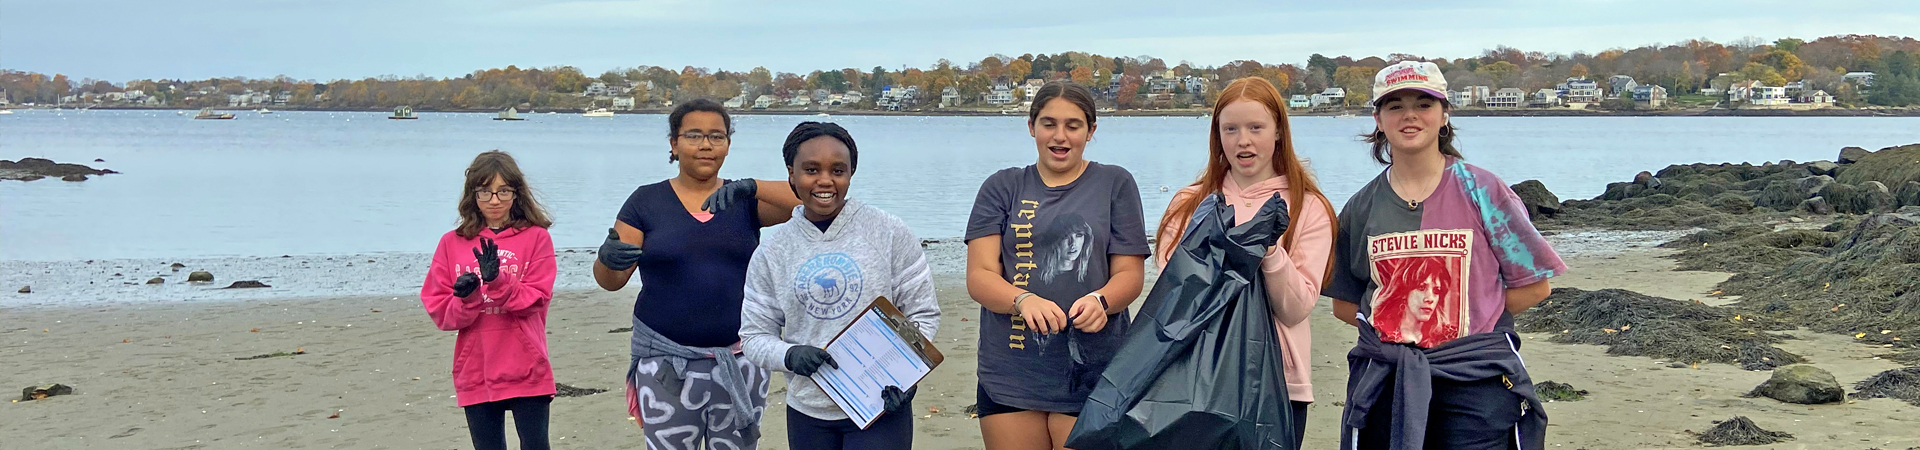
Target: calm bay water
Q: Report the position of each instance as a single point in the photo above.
(318, 183)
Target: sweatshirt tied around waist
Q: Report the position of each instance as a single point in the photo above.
(1475, 357)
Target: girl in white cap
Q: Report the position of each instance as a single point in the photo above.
(1432, 259)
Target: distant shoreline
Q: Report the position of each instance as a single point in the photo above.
(1468, 112)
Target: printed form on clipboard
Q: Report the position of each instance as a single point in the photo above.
(879, 348)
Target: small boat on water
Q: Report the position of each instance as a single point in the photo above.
(823, 115)
(6, 112)
(1345, 116)
(403, 113)
(598, 112)
(508, 114)
(210, 114)
(265, 111)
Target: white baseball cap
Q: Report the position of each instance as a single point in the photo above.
(1421, 75)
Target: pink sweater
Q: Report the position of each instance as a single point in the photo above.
(501, 352)
(1292, 277)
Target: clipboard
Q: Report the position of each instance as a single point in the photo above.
(879, 348)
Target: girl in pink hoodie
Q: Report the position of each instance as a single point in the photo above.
(1251, 159)
(491, 280)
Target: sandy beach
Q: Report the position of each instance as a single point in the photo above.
(163, 375)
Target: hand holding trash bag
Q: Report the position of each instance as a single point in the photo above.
(1275, 213)
(1201, 366)
(1042, 315)
(1089, 314)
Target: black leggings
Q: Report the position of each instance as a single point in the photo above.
(889, 431)
(487, 422)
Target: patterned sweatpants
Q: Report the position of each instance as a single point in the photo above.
(688, 411)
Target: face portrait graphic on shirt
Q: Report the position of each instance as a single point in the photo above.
(1422, 294)
(1067, 249)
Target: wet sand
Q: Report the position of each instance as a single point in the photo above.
(162, 375)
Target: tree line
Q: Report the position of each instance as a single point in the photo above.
(1125, 81)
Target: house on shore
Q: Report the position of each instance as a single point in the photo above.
(1333, 96)
(1001, 94)
(1299, 101)
(765, 101)
(1649, 96)
(1861, 78)
(1545, 98)
(1621, 83)
(1582, 90)
(1506, 98)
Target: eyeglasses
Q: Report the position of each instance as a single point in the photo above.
(695, 138)
(503, 194)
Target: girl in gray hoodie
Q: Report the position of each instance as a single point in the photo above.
(813, 275)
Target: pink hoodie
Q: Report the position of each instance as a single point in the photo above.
(1292, 278)
(501, 352)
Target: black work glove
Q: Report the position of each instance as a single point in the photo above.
(806, 360)
(617, 255)
(464, 286)
(1266, 226)
(730, 193)
(895, 400)
(488, 257)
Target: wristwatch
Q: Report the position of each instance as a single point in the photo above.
(1104, 308)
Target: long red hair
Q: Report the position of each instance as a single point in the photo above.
(1300, 182)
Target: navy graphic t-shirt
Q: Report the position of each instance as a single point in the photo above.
(1054, 242)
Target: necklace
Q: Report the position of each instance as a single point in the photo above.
(1412, 205)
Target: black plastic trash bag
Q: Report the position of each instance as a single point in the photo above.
(1201, 367)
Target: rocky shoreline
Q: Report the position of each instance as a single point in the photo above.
(1824, 246)
(30, 169)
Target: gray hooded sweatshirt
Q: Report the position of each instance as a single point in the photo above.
(804, 285)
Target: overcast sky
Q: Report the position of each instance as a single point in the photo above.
(120, 40)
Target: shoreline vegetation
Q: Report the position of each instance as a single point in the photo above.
(1843, 72)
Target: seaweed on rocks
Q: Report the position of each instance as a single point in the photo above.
(1740, 249)
(1741, 431)
(1849, 199)
(563, 390)
(1731, 203)
(1555, 391)
(1867, 285)
(1711, 236)
(1899, 384)
(1633, 324)
(1780, 195)
(1891, 166)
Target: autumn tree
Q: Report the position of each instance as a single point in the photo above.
(1356, 80)
(1500, 73)
(1578, 71)
(1083, 75)
(993, 67)
(1019, 70)
(1762, 73)
(760, 76)
(1783, 62)
(568, 79)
